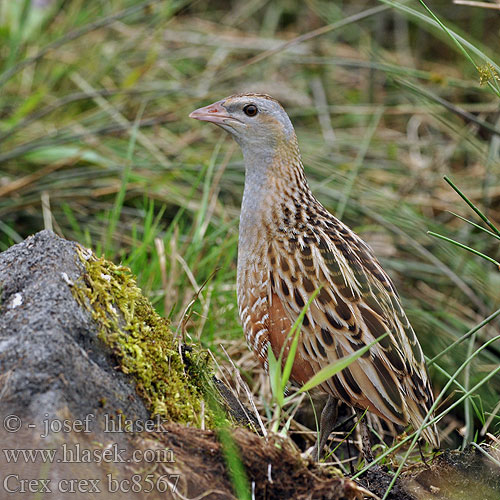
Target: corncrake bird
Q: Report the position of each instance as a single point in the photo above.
(290, 246)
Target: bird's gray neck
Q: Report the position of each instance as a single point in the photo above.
(258, 180)
(271, 176)
(254, 213)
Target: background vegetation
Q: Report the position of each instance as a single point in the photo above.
(95, 143)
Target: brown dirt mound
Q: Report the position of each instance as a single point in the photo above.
(274, 468)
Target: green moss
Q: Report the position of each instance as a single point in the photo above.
(172, 378)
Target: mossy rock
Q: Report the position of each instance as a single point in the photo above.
(173, 379)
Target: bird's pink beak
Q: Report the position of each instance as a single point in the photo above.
(215, 113)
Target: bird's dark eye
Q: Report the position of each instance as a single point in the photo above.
(250, 110)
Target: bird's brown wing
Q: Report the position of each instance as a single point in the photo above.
(356, 304)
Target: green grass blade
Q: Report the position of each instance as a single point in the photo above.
(478, 212)
(358, 162)
(120, 197)
(465, 247)
(486, 454)
(456, 382)
(290, 359)
(332, 369)
(72, 35)
(487, 231)
(235, 467)
(207, 184)
(428, 421)
(450, 33)
(461, 43)
(465, 115)
(461, 48)
(295, 331)
(464, 337)
(275, 376)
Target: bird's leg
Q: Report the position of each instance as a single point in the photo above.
(422, 454)
(365, 436)
(326, 425)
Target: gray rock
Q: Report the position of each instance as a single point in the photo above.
(52, 362)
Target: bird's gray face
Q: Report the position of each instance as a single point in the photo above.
(255, 120)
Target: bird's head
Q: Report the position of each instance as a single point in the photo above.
(254, 120)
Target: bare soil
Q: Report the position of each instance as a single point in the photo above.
(276, 470)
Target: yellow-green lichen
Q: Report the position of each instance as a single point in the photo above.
(171, 379)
